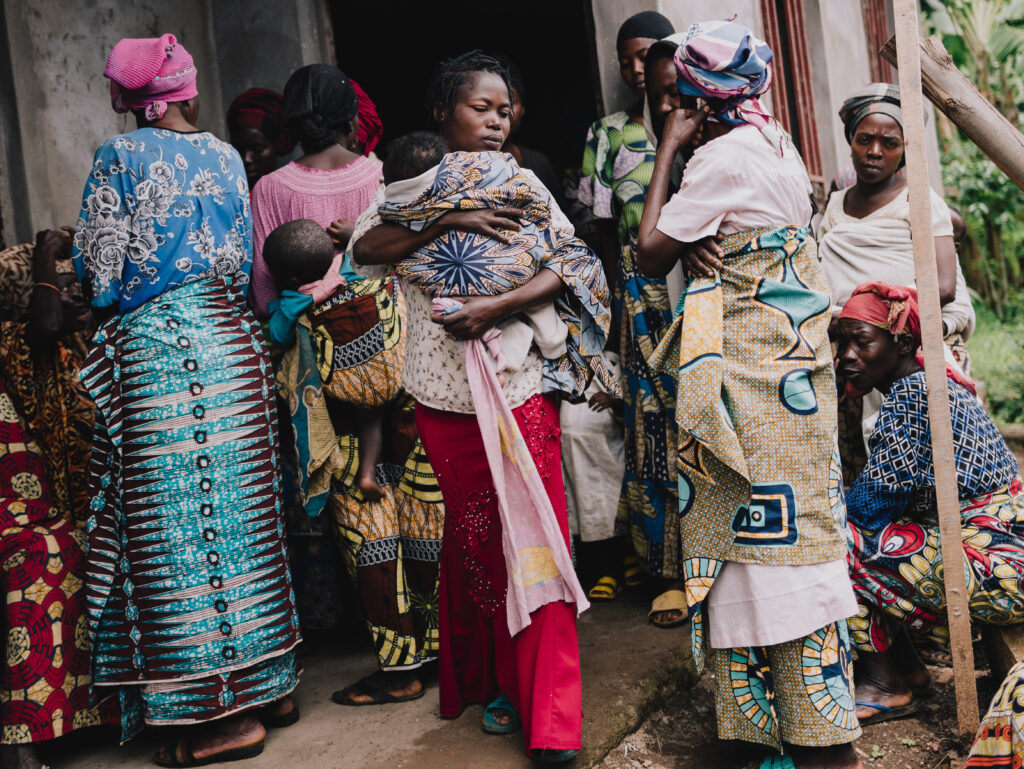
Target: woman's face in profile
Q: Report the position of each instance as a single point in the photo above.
(479, 121)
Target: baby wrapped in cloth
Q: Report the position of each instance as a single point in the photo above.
(467, 264)
(570, 333)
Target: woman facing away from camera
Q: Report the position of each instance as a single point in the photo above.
(190, 603)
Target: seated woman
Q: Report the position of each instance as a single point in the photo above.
(864, 235)
(45, 425)
(895, 561)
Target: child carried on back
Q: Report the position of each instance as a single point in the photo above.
(354, 324)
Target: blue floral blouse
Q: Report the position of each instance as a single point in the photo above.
(161, 209)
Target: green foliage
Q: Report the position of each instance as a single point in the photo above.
(997, 357)
(986, 40)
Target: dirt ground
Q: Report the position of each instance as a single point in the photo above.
(681, 735)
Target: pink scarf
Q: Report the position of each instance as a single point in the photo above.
(323, 289)
(539, 567)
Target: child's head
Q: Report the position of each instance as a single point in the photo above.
(297, 253)
(409, 156)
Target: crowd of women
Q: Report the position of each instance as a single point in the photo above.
(240, 373)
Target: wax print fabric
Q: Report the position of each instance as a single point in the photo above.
(618, 162)
(44, 678)
(756, 393)
(185, 460)
(799, 692)
(895, 558)
(467, 264)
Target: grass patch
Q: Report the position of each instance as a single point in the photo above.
(997, 358)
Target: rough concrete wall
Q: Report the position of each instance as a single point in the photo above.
(609, 15)
(57, 55)
(837, 47)
(261, 44)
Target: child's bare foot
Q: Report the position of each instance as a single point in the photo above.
(368, 486)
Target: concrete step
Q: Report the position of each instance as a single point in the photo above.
(629, 669)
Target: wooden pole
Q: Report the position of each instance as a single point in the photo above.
(962, 103)
(908, 48)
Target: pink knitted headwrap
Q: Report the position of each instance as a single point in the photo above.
(148, 72)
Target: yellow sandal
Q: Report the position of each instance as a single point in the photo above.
(605, 589)
(633, 575)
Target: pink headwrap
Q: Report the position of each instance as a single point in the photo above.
(147, 73)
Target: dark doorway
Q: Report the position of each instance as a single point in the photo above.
(391, 48)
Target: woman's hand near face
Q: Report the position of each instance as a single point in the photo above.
(488, 222)
(683, 127)
(52, 245)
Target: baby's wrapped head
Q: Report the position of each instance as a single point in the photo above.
(413, 154)
(297, 253)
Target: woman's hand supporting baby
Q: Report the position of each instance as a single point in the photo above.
(389, 243)
(480, 313)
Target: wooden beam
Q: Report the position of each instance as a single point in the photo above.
(926, 275)
(961, 102)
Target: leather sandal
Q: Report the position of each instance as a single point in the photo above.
(670, 600)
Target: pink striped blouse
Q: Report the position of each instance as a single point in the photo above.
(297, 192)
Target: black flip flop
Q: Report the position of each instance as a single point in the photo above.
(377, 695)
(280, 721)
(235, 754)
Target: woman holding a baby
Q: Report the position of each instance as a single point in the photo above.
(505, 309)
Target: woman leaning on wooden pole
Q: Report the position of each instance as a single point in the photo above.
(908, 51)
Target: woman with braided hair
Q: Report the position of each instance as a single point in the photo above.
(513, 636)
(332, 183)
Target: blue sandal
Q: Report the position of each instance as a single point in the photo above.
(886, 713)
(776, 762)
(491, 725)
(547, 756)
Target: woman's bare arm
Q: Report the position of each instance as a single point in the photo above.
(389, 243)
(480, 313)
(657, 253)
(945, 261)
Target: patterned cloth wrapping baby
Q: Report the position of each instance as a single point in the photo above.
(467, 264)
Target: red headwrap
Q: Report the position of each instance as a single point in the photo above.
(370, 127)
(895, 309)
(261, 109)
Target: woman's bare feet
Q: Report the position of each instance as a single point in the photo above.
(877, 681)
(213, 739)
(673, 616)
(398, 684)
(280, 714)
(19, 757)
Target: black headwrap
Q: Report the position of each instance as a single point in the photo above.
(318, 99)
(649, 24)
(881, 98)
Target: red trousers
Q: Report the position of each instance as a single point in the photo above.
(539, 669)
